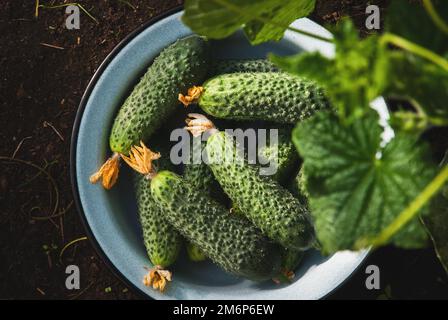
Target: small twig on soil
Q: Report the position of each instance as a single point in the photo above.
(50, 263)
(54, 224)
(51, 46)
(49, 124)
(18, 19)
(36, 9)
(42, 292)
(37, 175)
(61, 223)
(60, 214)
(128, 4)
(49, 177)
(68, 245)
(70, 4)
(19, 146)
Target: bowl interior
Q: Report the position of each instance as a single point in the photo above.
(112, 215)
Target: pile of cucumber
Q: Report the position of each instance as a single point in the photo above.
(251, 225)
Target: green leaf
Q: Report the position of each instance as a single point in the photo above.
(284, 14)
(262, 20)
(219, 19)
(411, 21)
(356, 75)
(353, 193)
(421, 82)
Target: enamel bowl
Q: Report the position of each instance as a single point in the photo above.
(110, 217)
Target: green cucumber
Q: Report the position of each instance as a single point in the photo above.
(230, 241)
(200, 176)
(270, 96)
(283, 154)
(249, 65)
(155, 97)
(262, 200)
(161, 240)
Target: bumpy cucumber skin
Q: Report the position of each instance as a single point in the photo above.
(284, 154)
(194, 253)
(285, 157)
(270, 96)
(200, 176)
(230, 241)
(177, 68)
(262, 200)
(297, 187)
(248, 65)
(161, 240)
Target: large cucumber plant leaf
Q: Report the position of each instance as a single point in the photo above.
(356, 187)
(261, 20)
(258, 31)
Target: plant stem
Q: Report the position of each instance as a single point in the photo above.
(415, 48)
(439, 122)
(435, 16)
(236, 9)
(61, 253)
(412, 210)
(421, 114)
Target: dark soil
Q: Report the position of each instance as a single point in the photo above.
(44, 69)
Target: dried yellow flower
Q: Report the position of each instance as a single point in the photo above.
(157, 278)
(192, 96)
(108, 172)
(198, 124)
(140, 159)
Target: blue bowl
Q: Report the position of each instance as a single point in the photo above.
(111, 216)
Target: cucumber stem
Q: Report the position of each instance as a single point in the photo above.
(389, 38)
(108, 172)
(193, 95)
